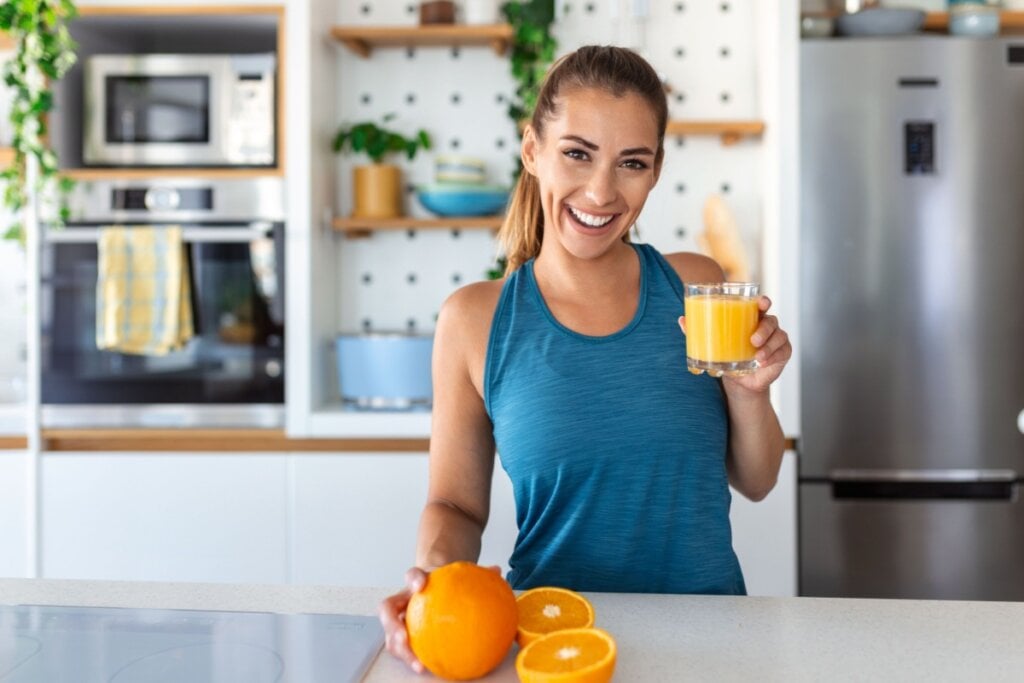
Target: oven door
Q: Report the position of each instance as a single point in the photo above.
(236, 357)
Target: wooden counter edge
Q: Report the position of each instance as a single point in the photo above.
(217, 440)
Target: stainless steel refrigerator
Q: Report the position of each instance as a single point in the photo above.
(912, 318)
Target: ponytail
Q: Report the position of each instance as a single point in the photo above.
(523, 228)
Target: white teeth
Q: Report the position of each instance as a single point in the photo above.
(592, 221)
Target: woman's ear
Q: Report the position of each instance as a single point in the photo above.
(528, 150)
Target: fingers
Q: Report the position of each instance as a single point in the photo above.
(415, 579)
(765, 329)
(682, 323)
(764, 303)
(392, 617)
(777, 349)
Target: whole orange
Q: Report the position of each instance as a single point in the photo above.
(462, 624)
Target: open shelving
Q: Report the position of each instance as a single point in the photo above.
(362, 227)
(731, 132)
(362, 40)
(939, 21)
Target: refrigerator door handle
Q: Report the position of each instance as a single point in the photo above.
(994, 485)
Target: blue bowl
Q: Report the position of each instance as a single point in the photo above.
(463, 200)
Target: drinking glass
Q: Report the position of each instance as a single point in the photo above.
(720, 319)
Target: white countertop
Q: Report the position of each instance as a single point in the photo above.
(667, 637)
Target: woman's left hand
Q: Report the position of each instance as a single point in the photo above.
(773, 352)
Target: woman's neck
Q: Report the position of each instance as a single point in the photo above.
(563, 274)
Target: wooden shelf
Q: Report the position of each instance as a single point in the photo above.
(362, 227)
(87, 174)
(363, 39)
(939, 21)
(731, 132)
(6, 156)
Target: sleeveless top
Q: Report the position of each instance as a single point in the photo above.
(615, 451)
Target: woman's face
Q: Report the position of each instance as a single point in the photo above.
(595, 167)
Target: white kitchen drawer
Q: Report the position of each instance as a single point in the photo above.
(356, 517)
(14, 470)
(165, 517)
(764, 535)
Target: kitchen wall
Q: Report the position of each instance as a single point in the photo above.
(705, 51)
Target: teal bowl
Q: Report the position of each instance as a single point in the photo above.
(463, 200)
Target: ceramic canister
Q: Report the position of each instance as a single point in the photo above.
(480, 11)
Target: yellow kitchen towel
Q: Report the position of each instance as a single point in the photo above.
(143, 299)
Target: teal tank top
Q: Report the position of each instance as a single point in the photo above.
(615, 451)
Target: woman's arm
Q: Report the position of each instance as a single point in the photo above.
(756, 441)
(461, 442)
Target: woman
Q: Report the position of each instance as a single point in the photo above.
(573, 369)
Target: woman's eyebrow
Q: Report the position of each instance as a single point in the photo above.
(632, 151)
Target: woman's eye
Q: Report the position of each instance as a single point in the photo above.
(634, 164)
(577, 154)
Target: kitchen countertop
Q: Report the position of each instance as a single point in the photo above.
(666, 637)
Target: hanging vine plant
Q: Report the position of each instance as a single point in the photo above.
(43, 54)
(533, 51)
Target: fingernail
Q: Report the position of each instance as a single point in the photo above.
(417, 667)
(756, 340)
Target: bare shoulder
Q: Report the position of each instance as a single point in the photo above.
(467, 313)
(693, 267)
(470, 304)
(463, 328)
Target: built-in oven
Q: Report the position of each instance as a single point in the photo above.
(179, 110)
(231, 371)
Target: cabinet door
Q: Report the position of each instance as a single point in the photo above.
(165, 517)
(356, 517)
(14, 514)
(764, 535)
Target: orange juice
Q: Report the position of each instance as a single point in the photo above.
(719, 325)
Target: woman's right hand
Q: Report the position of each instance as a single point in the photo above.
(392, 618)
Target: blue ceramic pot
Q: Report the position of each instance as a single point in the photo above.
(385, 371)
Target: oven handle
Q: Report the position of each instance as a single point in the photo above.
(222, 234)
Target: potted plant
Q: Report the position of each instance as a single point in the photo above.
(377, 187)
(43, 53)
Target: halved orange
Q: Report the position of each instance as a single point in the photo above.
(575, 655)
(547, 609)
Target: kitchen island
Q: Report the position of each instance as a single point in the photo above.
(665, 637)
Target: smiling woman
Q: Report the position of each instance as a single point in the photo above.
(573, 368)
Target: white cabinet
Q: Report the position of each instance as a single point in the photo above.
(14, 513)
(356, 516)
(764, 535)
(165, 517)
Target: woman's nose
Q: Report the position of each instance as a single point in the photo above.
(601, 187)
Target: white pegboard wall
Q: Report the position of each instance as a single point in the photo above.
(704, 49)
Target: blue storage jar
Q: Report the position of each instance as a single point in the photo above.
(385, 370)
(973, 18)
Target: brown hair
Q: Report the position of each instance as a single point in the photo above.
(616, 70)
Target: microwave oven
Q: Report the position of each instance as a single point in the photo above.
(163, 110)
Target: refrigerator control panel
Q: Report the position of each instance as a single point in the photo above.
(919, 147)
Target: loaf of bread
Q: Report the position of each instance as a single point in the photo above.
(721, 239)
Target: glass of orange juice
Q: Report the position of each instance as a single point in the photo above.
(720, 319)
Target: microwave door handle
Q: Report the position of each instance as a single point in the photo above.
(222, 234)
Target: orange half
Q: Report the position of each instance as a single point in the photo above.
(575, 655)
(547, 609)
